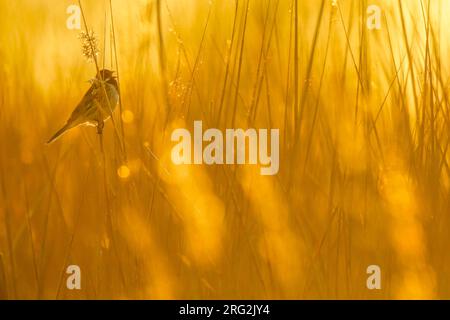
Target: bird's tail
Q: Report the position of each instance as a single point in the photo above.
(60, 132)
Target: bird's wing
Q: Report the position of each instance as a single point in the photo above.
(87, 106)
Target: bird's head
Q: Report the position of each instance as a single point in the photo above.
(105, 75)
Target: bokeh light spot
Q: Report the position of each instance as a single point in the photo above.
(123, 172)
(127, 116)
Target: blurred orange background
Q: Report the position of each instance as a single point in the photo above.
(364, 162)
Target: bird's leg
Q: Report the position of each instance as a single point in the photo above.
(100, 126)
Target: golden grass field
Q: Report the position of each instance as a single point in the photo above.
(364, 117)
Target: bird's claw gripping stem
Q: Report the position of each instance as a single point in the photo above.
(100, 126)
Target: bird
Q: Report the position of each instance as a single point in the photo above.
(95, 107)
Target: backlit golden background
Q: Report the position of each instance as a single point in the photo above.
(364, 170)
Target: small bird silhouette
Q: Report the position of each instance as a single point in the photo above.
(95, 107)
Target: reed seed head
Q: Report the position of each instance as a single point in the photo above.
(89, 45)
